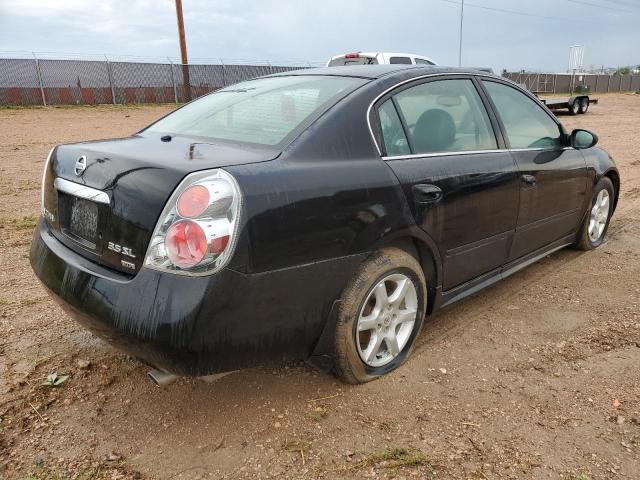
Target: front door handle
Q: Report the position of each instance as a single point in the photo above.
(426, 193)
(529, 180)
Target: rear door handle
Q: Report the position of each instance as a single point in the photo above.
(426, 193)
(529, 180)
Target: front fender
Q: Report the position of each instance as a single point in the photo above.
(601, 164)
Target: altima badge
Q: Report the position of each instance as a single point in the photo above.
(81, 165)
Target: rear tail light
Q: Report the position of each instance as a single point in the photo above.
(352, 55)
(186, 243)
(198, 228)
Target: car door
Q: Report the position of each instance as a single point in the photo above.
(554, 176)
(461, 184)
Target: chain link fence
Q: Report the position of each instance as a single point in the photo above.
(34, 81)
(69, 82)
(567, 82)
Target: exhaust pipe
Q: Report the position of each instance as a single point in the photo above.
(162, 379)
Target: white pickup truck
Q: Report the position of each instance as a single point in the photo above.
(375, 58)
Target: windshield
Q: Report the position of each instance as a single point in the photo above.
(262, 111)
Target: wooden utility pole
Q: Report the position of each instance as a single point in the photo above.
(183, 53)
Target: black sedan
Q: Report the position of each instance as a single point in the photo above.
(314, 215)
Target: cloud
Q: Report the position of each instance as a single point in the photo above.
(301, 31)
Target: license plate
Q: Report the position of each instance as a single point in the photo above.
(84, 220)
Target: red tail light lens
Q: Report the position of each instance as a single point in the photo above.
(352, 55)
(193, 201)
(219, 244)
(186, 243)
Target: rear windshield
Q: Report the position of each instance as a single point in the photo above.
(262, 111)
(339, 62)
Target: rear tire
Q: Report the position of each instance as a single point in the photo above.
(584, 105)
(574, 108)
(595, 226)
(377, 323)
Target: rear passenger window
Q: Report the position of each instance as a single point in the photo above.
(400, 60)
(395, 141)
(526, 123)
(446, 116)
(421, 61)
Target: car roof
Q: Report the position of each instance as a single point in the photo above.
(377, 71)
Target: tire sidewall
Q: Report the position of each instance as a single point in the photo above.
(574, 109)
(584, 105)
(351, 313)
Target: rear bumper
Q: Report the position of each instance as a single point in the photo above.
(195, 325)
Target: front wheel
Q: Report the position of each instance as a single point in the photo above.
(596, 224)
(380, 317)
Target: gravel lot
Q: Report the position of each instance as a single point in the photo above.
(536, 377)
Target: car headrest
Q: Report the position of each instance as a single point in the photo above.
(435, 131)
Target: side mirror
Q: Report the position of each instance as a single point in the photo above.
(581, 139)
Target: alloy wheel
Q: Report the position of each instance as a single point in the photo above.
(599, 216)
(386, 320)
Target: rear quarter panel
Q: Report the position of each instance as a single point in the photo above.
(321, 207)
(329, 195)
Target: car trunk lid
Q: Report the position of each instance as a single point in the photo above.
(102, 199)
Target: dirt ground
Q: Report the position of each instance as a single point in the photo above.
(537, 377)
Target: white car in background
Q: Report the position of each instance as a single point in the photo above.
(376, 58)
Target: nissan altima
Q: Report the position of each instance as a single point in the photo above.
(317, 214)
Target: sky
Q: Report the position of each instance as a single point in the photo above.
(537, 37)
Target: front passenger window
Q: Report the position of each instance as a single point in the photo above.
(527, 125)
